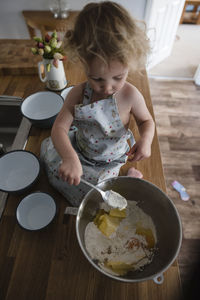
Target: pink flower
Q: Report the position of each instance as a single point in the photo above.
(55, 63)
(40, 45)
(47, 38)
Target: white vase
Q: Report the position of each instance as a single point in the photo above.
(55, 78)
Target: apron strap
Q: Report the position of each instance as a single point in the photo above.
(131, 138)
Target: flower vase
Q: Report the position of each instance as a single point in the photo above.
(53, 76)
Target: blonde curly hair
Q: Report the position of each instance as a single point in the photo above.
(106, 30)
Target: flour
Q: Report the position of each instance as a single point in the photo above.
(125, 249)
(115, 200)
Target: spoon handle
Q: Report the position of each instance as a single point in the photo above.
(91, 185)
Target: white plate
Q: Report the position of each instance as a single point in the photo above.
(65, 92)
(36, 211)
(42, 105)
(18, 170)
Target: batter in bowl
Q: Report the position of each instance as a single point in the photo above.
(121, 241)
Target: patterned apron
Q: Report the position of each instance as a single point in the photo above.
(100, 140)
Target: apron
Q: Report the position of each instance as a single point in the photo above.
(100, 140)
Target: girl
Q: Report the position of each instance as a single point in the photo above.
(109, 44)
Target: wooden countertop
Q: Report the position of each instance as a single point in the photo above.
(16, 57)
(49, 264)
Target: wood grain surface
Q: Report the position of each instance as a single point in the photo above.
(176, 106)
(49, 264)
(16, 57)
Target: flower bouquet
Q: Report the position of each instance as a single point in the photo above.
(49, 47)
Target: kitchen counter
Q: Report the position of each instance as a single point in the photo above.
(16, 57)
(49, 264)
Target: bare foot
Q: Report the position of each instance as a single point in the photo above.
(132, 172)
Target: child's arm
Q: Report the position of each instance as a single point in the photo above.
(146, 126)
(70, 169)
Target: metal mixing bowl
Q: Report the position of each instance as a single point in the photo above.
(153, 202)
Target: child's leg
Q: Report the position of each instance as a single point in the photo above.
(132, 172)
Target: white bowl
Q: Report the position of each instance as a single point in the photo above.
(42, 108)
(36, 211)
(19, 169)
(65, 92)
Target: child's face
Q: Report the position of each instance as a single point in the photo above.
(106, 80)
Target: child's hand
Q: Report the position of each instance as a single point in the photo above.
(140, 150)
(71, 171)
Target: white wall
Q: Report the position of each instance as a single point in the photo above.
(12, 24)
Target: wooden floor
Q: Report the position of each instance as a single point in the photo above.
(177, 113)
